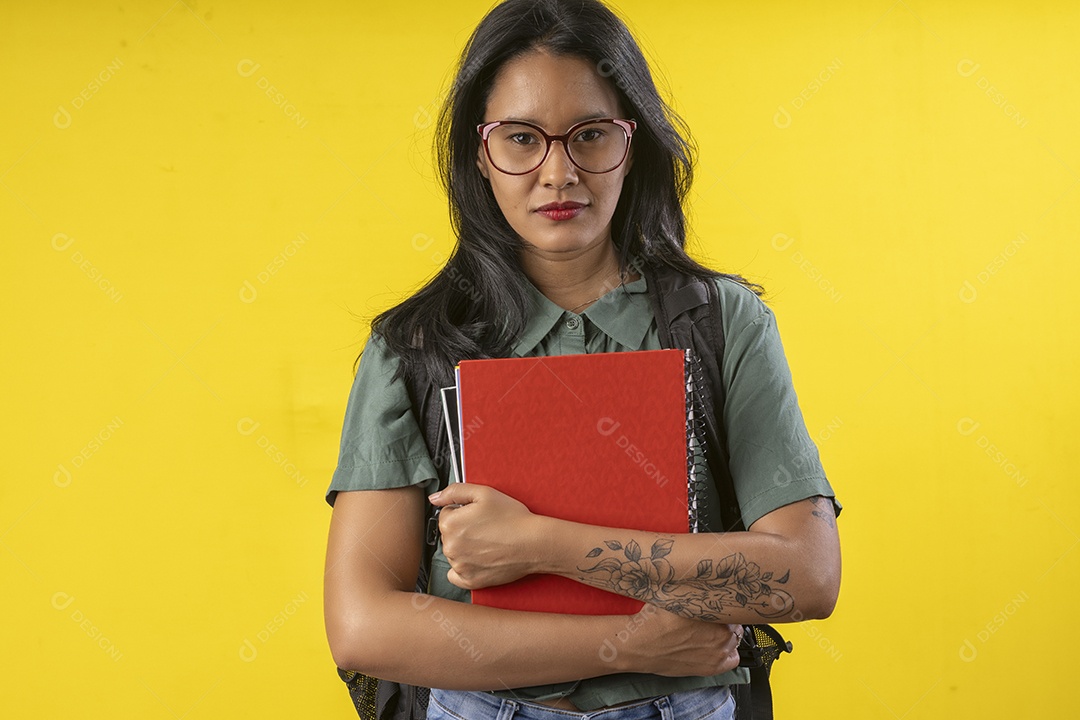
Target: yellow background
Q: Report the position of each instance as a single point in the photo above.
(190, 263)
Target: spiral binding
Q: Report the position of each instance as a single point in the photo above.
(696, 460)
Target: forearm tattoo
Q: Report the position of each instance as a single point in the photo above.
(717, 587)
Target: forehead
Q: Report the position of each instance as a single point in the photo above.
(551, 91)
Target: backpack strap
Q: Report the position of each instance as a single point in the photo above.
(424, 394)
(427, 404)
(688, 316)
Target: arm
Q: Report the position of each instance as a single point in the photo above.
(785, 568)
(377, 624)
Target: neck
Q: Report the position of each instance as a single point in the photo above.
(575, 282)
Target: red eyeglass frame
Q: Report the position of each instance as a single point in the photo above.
(628, 126)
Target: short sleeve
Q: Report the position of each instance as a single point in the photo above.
(773, 461)
(381, 443)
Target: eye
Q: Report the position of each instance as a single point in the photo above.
(522, 138)
(589, 134)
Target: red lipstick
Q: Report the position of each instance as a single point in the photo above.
(561, 210)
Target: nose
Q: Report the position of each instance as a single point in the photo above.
(557, 169)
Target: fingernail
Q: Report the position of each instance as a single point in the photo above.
(434, 496)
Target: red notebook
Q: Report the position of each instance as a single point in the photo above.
(596, 438)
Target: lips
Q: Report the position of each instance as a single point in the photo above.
(560, 206)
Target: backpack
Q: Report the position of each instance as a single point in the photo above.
(687, 311)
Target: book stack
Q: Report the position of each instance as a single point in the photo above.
(604, 439)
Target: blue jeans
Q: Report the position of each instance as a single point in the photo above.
(715, 703)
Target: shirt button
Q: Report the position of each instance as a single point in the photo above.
(572, 323)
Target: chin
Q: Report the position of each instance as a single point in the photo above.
(557, 245)
(563, 238)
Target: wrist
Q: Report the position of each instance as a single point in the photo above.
(549, 538)
(614, 653)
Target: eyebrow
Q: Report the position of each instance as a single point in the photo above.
(578, 119)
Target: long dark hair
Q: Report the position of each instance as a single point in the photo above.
(476, 305)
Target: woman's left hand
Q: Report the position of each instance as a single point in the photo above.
(488, 537)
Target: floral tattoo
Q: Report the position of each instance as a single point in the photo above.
(731, 582)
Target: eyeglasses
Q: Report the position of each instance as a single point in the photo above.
(595, 146)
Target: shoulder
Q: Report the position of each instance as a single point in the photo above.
(741, 307)
(377, 358)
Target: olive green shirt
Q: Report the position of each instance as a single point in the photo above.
(773, 461)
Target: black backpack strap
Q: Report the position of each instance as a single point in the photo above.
(688, 316)
(760, 694)
(424, 393)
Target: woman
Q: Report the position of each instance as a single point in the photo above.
(566, 178)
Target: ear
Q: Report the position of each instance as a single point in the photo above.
(481, 162)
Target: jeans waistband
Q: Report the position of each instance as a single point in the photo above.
(714, 703)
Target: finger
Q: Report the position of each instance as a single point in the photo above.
(457, 494)
(457, 580)
(733, 660)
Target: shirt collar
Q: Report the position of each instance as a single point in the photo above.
(623, 313)
(543, 314)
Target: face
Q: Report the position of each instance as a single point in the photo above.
(555, 93)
